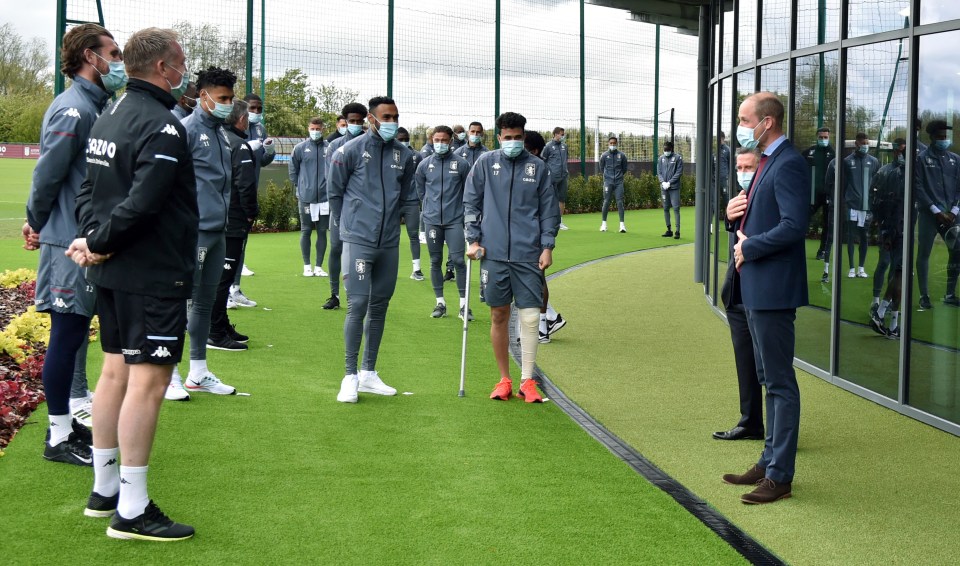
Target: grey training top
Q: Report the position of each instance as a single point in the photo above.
(308, 170)
(439, 181)
(213, 167)
(613, 165)
(670, 169)
(555, 154)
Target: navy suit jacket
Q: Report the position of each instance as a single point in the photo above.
(774, 273)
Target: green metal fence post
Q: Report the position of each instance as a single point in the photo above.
(263, 48)
(248, 75)
(821, 38)
(583, 99)
(656, 100)
(496, 79)
(390, 8)
(58, 42)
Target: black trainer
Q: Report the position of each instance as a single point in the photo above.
(73, 450)
(234, 335)
(449, 275)
(876, 323)
(151, 525)
(668, 233)
(825, 278)
(676, 235)
(417, 275)
(556, 324)
(224, 342)
(332, 303)
(439, 311)
(83, 433)
(925, 303)
(101, 506)
(951, 300)
(469, 314)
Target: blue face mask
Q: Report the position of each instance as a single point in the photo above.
(823, 142)
(612, 148)
(512, 148)
(943, 145)
(315, 135)
(255, 118)
(354, 129)
(343, 131)
(177, 91)
(441, 148)
(219, 111)
(863, 148)
(387, 130)
(745, 136)
(116, 77)
(475, 139)
(667, 153)
(744, 178)
(461, 136)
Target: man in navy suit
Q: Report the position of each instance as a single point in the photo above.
(771, 220)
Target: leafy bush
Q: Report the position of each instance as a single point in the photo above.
(278, 209)
(586, 194)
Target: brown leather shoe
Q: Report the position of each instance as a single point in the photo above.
(750, 477)
(767, 491)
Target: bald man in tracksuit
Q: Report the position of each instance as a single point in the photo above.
(369, 181)
(439, 181)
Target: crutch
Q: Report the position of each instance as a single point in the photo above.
(466, 322)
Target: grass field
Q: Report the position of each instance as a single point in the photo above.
(290, 475)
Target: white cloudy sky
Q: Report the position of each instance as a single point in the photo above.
(444, 53)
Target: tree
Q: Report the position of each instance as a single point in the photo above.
(205, 46)
(290, 104)
(331, 99)
(23, 64)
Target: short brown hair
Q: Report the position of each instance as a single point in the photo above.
(146, 47)
(316, 121)
(768, 104)
(75, 42)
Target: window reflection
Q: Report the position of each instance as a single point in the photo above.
(747, 28)
(818, 22)
(727, 46)
(934, 367)
(775, 35)
(932, 11)
(876, 16)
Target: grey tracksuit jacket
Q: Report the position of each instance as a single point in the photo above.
(614, 166)
(510, 207)
(308, 171)
(62, 167)
(427, 149)
(670, 169)
(555, 154)
(439, 181)
(180, 113)
(212, 166)
(471, 153)
(938, 180)
(368, 182)
(858, 171)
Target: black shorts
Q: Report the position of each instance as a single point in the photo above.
(146, 330)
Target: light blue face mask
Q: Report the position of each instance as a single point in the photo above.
(863, 148)
(116, 77)
(219, 111)
(315, 135)
(744, 178)
(745, 135)
(512, 148)
(441, 148)
(667, 153)
(461, 136)
(255, 118)
(343, 131)
(177, 91)
(943, 145)
(475, 139)
(823, 142)
(387, 130)
(354, 129)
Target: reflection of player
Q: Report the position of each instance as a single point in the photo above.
(858, 168)
(886, 202)
(938, 204)
(818, 156)
(722, 170)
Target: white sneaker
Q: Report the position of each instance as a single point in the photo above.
(563, 226)
(231, 304)
(246, 271)
(862, 273)
(175, 390)
(241, 300)
(208, 383)
(348, 389)
(370, 382)
(82, 409)
(423, 237)
(319, 272)
(623, 228)
(307, 272)
(603, 226)
(852, 273)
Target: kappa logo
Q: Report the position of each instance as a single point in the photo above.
(360, 267)
(72, 112)
(530, 170)
(204, 138)
(201, 254)
(169, 129)
(340, 149)
(161, 352)
(307, 150)
(430, 167)
(366, 157)
(110, 462)
(496, 168)
(226, 266)
(59, 302)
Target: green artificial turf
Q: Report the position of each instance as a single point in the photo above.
(644, 354)
(288, 475)
(14, 187)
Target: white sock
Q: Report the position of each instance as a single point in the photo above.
(364, 374)
(528, 341)
(551, 314)
(441, 301)
(307, 267)
(106, 471)
(463, 302)
(622, 226)
(416, 265)
(198, 368)
(133, 491)
(882, 309)
(234, 289)
(894, 320)
(60, 428)
(826, 267)
(876, 300)
(543, 323)
(175, 374)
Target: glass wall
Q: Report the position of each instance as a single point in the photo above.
(872, 104)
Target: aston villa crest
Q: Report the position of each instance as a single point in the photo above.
(484, 276)
(530, 170)
(453, 165)
(361, 266)
(433, 233)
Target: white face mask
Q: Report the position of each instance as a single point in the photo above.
(744, 178)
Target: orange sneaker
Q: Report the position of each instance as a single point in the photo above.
(503, 390)
(528, 391)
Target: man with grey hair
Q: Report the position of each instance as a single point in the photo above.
(137, 216)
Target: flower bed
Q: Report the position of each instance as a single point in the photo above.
(22, 346)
